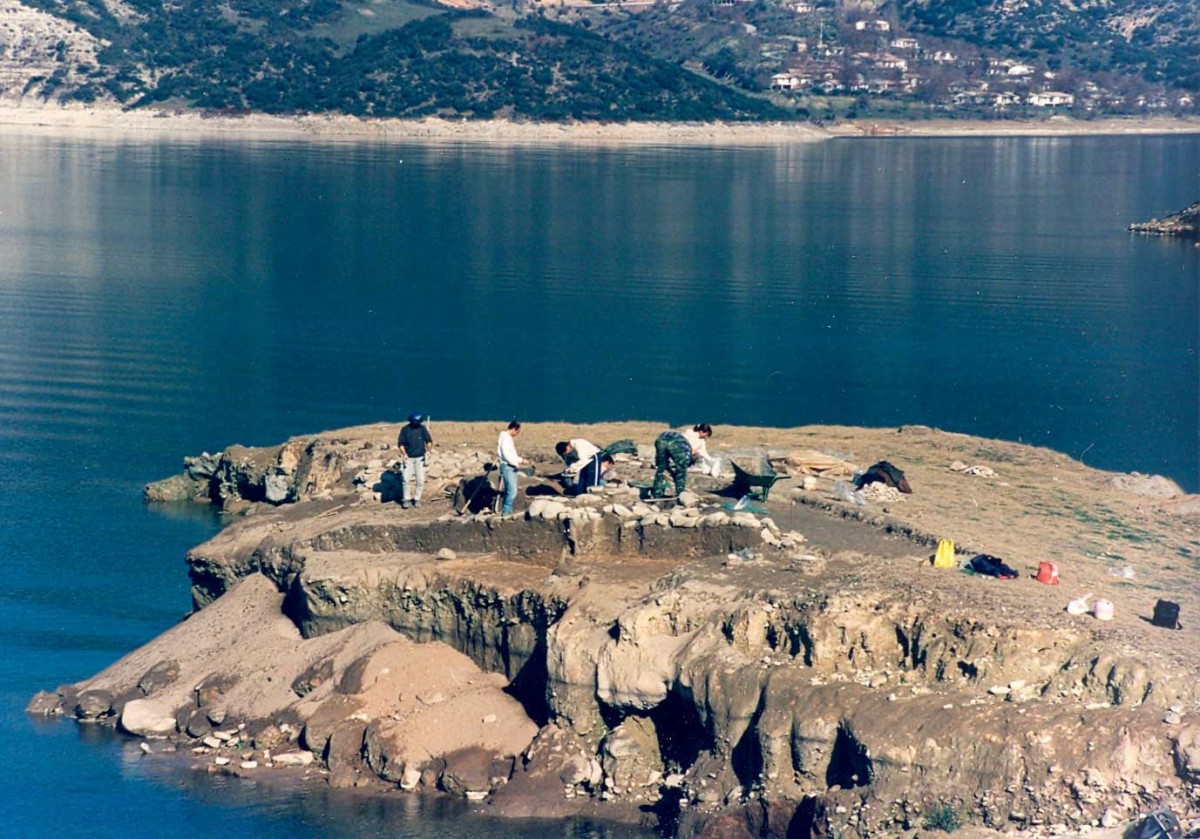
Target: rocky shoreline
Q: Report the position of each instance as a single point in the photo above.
(794, 667)
(1184, 224)
(110, 121)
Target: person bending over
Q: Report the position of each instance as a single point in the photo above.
(674, 453)
(696, 437)
(575, 454)
(592, 473)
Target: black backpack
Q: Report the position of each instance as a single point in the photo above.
(884, 473)
(1166, 614)
(1161, 824)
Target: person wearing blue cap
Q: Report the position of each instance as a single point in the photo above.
(414, 442)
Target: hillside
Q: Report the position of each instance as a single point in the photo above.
(686, 61)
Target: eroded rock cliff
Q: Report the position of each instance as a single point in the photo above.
(789, 671)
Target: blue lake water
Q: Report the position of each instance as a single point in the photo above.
(162, 298)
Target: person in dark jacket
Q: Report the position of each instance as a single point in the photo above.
(415, 440)
(592, 473)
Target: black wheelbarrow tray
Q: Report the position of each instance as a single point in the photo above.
(758, 483)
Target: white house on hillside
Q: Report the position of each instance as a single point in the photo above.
(1051, 99)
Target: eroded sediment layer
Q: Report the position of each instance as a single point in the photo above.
(741, 677)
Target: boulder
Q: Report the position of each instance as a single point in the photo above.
(93, 705)
(45, 703)
(467, 771)
(344, 757)
(298, 758)
(320, 725)
(147, 718)
(630, 755)
(277, 488)
(1146, 486)
(197, 724)
(269, 739)
(174, 488)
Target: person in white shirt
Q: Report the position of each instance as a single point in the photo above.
(506, 453)
(697, 436)
(575, 454)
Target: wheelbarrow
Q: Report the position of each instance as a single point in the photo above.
(757, 483)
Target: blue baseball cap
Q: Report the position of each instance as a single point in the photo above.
(416, 419)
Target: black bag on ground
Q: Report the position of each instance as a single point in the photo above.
(992, 566)
(1166, 614)
(1161, 824)
(884, 473)
(474, 495)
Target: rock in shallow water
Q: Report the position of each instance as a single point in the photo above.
(147, 718)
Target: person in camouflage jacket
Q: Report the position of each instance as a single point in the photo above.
(673, 453)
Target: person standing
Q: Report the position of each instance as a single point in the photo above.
(414, 441)
(506, 453)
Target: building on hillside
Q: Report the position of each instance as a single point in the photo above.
(1005, 100)
(943, 57)
(891, 62)
(1051, 99)
(787, 81)
(909, 44)
(877, 25)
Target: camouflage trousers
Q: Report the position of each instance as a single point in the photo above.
(671, 453)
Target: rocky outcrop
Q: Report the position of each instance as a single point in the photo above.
(706, 664)
(303, 469)
(41, 54)
(1185, 223)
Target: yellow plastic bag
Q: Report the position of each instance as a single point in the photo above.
(944, 558)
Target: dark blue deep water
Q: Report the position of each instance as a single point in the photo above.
(162, 298)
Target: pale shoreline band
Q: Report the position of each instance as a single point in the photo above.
(161, 123)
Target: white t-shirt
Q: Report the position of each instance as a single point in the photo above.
(586, 452)
(699, 449)
(506, 449)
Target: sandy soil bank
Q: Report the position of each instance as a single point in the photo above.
(110, 121)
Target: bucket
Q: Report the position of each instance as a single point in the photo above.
(1078, 606)
(1103, 610)
(944, 558)
(1047, 573)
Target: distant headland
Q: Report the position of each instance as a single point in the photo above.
(1184, 224)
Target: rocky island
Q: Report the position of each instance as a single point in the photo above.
(720, 666)
(1185, 223)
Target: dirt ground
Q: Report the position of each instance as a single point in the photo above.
(1040, 506)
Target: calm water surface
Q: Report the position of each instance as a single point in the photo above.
(159, 299)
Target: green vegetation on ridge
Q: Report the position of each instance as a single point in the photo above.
(688, 60)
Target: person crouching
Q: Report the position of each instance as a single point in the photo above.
(592, 473)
